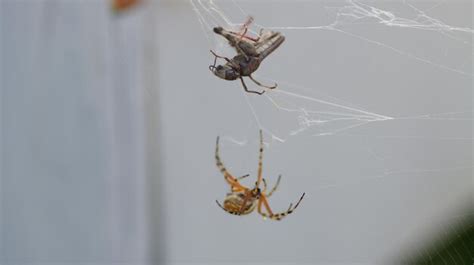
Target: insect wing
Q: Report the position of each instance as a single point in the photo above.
(269, 42)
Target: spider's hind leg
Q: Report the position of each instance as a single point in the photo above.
(244, 176)
(276, 216)
(233, 188)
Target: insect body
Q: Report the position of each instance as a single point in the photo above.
(250, 53)
(242, 200)
(239, 66)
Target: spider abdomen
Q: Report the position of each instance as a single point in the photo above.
(234, 203)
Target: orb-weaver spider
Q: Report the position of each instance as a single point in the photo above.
(242, 200)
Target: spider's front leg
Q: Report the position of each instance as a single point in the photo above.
(234, 189)
(244, 176)
(274, 187)
(233, 182)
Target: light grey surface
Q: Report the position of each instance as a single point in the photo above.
(372, 190)
(77, 134)
(72, 177)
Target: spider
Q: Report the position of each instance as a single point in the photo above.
(242, 200)
(250, 54)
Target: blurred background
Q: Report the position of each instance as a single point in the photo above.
(109, 117)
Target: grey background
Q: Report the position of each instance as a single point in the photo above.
(123, 114)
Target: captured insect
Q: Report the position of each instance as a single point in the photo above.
(242, 200)
(250, 54)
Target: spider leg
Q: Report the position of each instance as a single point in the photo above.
(237, 189)
(262, 85)
(277, 216)
(259, 207)
(246, 89)
(264, 185)
(244, 176)
(233, 182)
(274, 188)
(233, 189)
(263, 200)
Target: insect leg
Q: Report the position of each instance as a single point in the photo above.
(260, 84)
(246, 89)
(246, 24)
(218, 56)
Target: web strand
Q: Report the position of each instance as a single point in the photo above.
(309, 112)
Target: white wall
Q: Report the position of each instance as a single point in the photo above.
(73, 133)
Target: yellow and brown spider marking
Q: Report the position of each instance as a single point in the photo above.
(242, 200)
(237, 203)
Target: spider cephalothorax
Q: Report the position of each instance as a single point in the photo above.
(242, 200)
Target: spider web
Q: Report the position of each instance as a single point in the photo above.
(322, 114)
(407, 109)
